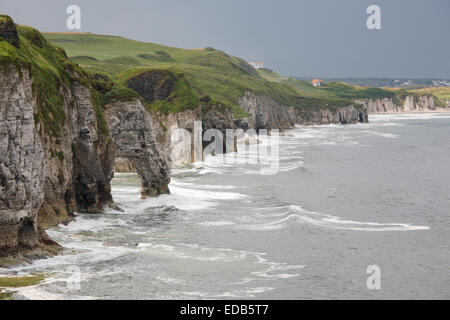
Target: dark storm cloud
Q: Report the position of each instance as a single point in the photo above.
(326, 38)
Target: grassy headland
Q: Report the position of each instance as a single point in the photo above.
(109, 62)
(211, 72)
(208, 71)
(50, 69)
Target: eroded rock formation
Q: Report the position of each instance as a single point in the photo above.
(122, 165)
(212, 116)
(425, 103)
(140, 138)
(45, 177)
(8, 31)
(266, 113)
(350, 114)
(58, 149)
(153, 85)
(21, 164)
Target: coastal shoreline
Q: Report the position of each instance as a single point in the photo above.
(411, 112)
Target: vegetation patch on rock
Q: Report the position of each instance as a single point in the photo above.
(17, 282)
(8, 31)
(50, 69)
(165, 90)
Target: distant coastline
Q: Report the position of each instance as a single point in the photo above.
(410, 112)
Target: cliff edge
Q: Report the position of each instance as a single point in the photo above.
(59, 141)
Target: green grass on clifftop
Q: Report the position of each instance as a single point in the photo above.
(208, 71)
(50, 69)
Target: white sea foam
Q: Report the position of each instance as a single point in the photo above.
(272, 225)
(38, 293)
(296, 213)
(193, 252)
(272, 270)
(407, 116)
(381, 134)
(320, 135)
(200, 186)
(183, 196)
(330, 221)
(188, 198)
(239, 293)
(89, 223)
(216, 223)
(169, 280)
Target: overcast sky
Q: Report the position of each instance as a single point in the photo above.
(324, 38)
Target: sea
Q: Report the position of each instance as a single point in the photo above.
(351, 212)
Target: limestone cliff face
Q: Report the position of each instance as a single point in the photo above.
(123, 165)
(79, 162)
(211, 115)
(423, 103)
(380, 105)
(93, 154)
(44, 178)
(338, 115)
(21, 164)
(56, 153)
(140, 138)
(181, 151)
(58, 144)
(266, 113)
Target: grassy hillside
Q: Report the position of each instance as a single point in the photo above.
(339, 90)
(209, 72)
(270, 75)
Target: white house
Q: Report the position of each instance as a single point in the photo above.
(317, 82)
(257, 65)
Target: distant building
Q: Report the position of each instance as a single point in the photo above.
(317, 82)
(257, 65)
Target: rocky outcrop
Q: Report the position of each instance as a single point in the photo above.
(380, 105)
(47, 173)
(122, 165)
(21, 164)
(212, 116)
(93, 154)
(140, 138)
(156, 84)
(215, 116)
(79, 162)
(8, 31)
(56, 153)
(45, 177)
(338, 115)
(266, 113)
(424, 103)
(181, 150)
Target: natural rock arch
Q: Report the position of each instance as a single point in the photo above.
(139, 138)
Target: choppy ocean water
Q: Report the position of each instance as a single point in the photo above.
(344, 198)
